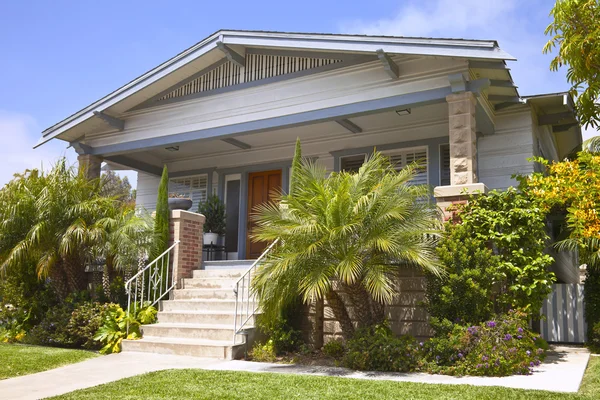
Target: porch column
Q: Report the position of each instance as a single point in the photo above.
(463, 140)
(90, 165)
(463, 153)
(188, 228)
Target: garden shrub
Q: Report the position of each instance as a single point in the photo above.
(52, 330)
(84, 323)
(376, 348)
(264, 352)
(594, 338)
(591, 291)
(499, 347)
(334, 349)
(514, 228)
(465, 294)
(285, 337)
(117, 325)
(147, 314)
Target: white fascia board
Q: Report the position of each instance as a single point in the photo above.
(363, 44)
(137, 84)
(344, 43)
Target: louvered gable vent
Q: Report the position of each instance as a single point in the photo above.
(257, 67)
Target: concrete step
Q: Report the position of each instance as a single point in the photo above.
(227, 264)
(209, 283)
(184, 347)
(198, 305)
(190, 294)
(219, 273)
(191, 331)
(195, 317)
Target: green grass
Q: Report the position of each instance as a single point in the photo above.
(198, 384)
(17, 360)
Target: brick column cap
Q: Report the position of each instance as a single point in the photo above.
(187, 215)
(459, 190)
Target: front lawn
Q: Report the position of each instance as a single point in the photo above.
(199, 384)
(17, 360)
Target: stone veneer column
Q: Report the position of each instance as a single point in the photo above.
(187, 227)
(463, 139)
(90, 165)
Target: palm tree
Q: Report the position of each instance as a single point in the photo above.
(57, 220)
(592, 144)
(343, 238)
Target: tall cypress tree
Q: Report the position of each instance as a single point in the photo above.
(296, 164)
(161, 220)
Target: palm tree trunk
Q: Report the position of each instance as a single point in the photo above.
(340, 313)
(75, 274)
(361, 303)
(58, 281)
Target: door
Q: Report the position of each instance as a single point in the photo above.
(261, 188)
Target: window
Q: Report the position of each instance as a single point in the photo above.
(400, 158)
(193, 186)
(445, 165)
(403, 157)
(352, 163)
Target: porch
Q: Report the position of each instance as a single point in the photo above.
(244, 169)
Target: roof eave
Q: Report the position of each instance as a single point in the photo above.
(367, 44)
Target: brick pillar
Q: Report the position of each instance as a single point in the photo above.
(90, 165)
(463, 139)
(187, 227)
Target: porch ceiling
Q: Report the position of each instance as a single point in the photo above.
(388, 121)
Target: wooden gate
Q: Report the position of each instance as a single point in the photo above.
(563, 310)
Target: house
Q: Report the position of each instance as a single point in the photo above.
(224, 114)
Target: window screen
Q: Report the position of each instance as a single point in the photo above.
(445, 165)
(193, 186)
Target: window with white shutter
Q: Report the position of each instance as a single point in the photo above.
(445, 165)
(400, 158)
(194, 187)
(403, 157)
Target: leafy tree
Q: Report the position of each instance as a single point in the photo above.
(161, 220)
(43, 218)
(514, 228)
(575, 32)
(115, 186)
(572, 188)
(343, 238)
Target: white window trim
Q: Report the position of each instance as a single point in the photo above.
(173, 181)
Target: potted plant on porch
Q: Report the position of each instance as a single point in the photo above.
(213, 210)
(179, 202)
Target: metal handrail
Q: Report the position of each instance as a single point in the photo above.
(149, 283)
(244, 283)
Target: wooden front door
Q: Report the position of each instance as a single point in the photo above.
(261, 188)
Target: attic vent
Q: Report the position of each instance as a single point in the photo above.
(227, 74)
(257, 67)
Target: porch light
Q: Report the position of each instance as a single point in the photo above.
(172, 148)
(405, 111)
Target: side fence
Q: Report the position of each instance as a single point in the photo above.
(563, 310)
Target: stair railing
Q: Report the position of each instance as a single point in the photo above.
(151, 283)
(246, 304)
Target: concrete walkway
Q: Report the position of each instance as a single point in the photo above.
(562, 372)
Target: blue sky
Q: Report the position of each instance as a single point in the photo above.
(59, 56)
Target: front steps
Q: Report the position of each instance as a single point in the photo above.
(198, 321)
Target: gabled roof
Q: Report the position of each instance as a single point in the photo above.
(353, 44)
